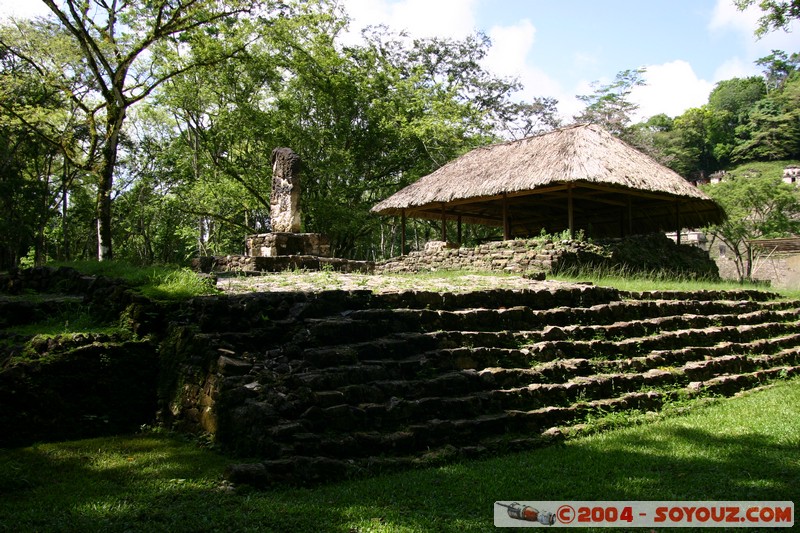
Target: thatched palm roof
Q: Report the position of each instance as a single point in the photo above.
(526, 183)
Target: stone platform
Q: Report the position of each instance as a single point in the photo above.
(284, 243)
(279, 263)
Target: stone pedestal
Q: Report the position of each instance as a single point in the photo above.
(279, 244)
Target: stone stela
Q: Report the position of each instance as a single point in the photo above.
(286, 237)
(285, 198)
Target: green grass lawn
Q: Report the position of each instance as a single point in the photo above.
(744, 448)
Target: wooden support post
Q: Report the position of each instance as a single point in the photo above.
(444, 224)
(570, 213)
(630, 215)
(506, 224)
(677, 221)
(403, 232)
(459, 230)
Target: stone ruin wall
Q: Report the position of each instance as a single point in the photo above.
(518, 256)
(635, 254)
(781, 271)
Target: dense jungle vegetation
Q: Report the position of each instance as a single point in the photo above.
(143, 131)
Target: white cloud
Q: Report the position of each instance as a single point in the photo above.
(511, 46)
(671, 88)
(735, 68)
(420, 18)
(22, 9)
(727, 18)
(510, 56)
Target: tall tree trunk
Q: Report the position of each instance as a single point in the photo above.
(116, 115)
(65, 255)
(104, 248)
(749, 249)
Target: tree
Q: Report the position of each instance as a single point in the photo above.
(657, 138)
(730, 105)
(118, 68)
(366, 119)
(758, 206)
(772, 131)
(34, 179)
(610, 105)
(737, 95)
(778, 66)
(697, 136)
(778, 14)
(523, 119)
(181, 140)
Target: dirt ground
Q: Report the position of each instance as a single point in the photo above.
(321, 281)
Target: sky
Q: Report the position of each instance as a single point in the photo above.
(558, 48)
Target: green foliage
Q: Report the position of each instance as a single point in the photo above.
(155, 281)
(101, 62)
(177, 284)
(171, 112)
(70, 321)
(610, 105)
(34, 178)
(772, 131)
(759, 205)
(366, 119)
(778, 67)
(737, 95)
(777, 14)
(746, 119)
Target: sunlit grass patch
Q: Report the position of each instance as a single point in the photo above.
(742, 448)
(155, 281)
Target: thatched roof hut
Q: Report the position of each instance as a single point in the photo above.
(578, 177)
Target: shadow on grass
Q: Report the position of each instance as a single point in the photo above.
(159, 482)
(707, 467)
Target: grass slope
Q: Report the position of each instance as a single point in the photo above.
(743, 448)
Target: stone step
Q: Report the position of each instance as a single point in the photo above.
(738, 364)
(378, 383)
(703, 295)
(240, 313)
(405, 345)
(308, 458)
(599, 386)
(763, 369)
(400, 411)
(668, 340)
(19, 311)
(628, 310)
(650, 326)
(433, 362)
(568, 369)
(502, 428)
(401, 346)
(664, 358)
(577, 295)
(454, 383)
(275, 336)
(366, 324)
(496, 367)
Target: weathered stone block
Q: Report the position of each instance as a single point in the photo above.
(278, 244)
(285, 196)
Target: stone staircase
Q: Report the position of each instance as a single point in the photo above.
(321, 386)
